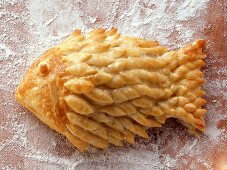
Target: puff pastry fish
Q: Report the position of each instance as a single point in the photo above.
(102, 88)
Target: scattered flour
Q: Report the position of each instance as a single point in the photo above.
(28, 28)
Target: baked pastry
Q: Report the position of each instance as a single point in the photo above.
(102, 88)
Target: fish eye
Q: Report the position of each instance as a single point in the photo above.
(43, 69)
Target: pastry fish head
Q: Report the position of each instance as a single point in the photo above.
(38, 90)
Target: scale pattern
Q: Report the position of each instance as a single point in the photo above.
(103, 88)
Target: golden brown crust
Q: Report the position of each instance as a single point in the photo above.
(103, 88)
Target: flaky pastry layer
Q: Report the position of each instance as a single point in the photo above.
(102, 88)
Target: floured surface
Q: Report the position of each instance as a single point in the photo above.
(28, 28)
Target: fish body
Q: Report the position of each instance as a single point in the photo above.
(102, 88)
